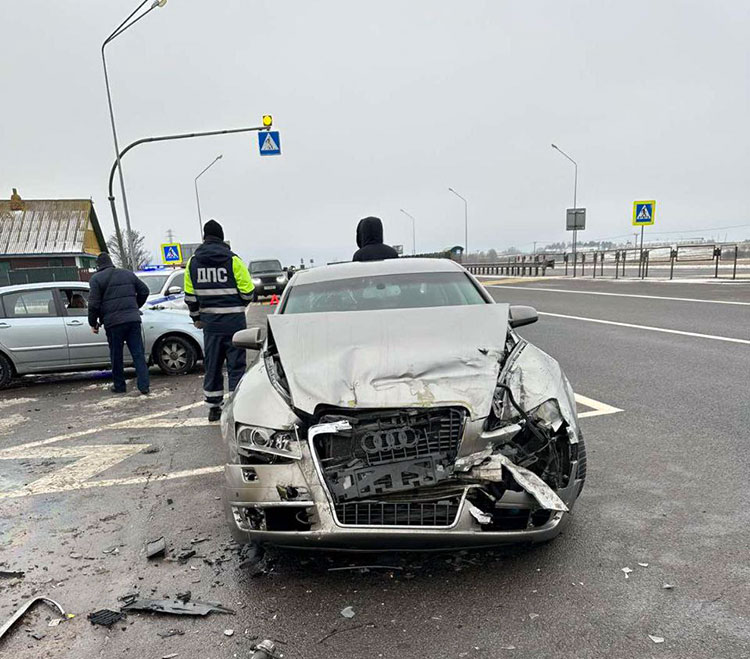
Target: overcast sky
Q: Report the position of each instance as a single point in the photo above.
(381, 106)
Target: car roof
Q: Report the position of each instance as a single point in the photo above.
(43, 284)
(352, 269)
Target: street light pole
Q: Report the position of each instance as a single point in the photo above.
(575, 202)
(466, 222)
(116, 33)
(413, 232)
(198, 199)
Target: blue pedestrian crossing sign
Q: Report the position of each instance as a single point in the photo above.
(269, 143)
(644, 212)
(171, 254)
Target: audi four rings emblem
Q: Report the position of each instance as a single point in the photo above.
(389, 440)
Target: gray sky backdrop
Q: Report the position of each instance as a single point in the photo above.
(383, 105)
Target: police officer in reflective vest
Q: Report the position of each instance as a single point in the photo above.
(217, 290)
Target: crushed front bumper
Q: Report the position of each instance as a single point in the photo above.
(259, 509)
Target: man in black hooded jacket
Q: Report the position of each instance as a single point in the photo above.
(115, 299)
(370, 242)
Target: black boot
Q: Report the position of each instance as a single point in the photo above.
(214, 414)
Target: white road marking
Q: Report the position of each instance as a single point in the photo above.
(599, 408)
(16, 401)
(138, 422)
(11, 421)
(647, 297)
(647, 327)
(89, 461)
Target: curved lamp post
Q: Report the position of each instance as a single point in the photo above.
(413, 232)
(198, 199)
(127, 23)
(575, 201)
(466, 223)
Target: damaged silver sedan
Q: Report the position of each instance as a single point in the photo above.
(393, 406)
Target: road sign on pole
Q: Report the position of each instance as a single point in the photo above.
(644, 212)
(171, 254)
(269, 143)
(575, 219)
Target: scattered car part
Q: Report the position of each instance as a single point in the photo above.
(348, 612)
(25, 607)
(12, 574)
(105, 617)
(266, 649)
(170, 632)
(156, 548)
(175, 607)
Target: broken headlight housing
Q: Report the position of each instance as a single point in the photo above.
(266, 441)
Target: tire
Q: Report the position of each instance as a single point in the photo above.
(175, 355)
(582, 462)
(6, 371)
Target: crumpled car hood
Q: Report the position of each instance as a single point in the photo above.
(436, 356)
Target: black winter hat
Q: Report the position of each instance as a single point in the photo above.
(103, 261)
(213, 228)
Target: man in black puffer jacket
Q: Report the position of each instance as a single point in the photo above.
(115, 299)
(370, 242)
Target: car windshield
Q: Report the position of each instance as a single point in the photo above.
(265, 266)
(399, 291)
(154, 282)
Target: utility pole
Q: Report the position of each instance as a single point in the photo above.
(170, 236)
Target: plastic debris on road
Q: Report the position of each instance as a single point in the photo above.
(348, 612)
(627, 572)
(105, 617)
(175, 607)
(656, 639)
(25, 607)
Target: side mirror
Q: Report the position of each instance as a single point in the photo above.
(174, 290)
(521, 315)
(249, 339)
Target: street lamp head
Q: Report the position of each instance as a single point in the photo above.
(158, 3)
(554, 146)
(220, 156)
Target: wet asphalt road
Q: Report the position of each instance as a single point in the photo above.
(667, 486)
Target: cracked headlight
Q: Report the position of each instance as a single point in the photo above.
(281, 443)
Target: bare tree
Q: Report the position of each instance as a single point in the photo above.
(142, 255)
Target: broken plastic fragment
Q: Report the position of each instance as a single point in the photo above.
(175, 607)
(533, 615)
(480, 516)
(627, 572)
(156, 548)
(643, 564)
(656, 639)
(105, 617)
(347, 612)
(229, 632)
(667, 586)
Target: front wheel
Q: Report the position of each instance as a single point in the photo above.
(6, 371)
(175, 355)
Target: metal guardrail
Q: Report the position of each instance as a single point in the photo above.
(522, 266)
(619, 259)
(615, 263)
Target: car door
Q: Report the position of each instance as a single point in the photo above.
(32, 330)
(86, 348)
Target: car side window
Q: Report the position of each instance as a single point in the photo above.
(177, 280)
(30, 304)
(75, 301)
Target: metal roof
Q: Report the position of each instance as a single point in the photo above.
(46, 227)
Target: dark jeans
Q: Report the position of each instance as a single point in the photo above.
(129, 333)
(218, 349)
